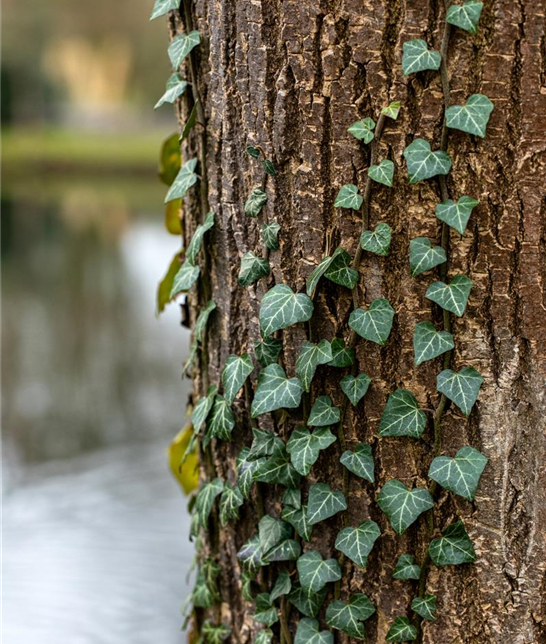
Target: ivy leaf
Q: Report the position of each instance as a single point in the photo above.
(382, 173)
(425, 607)
(401, 630)
(297, 518)
(374, 324)
(230, 502)
(287, 550)
(357, 543)
(183, 181)
(461, 388)
(341, 356)
(245, 471)
(378, 240)
(267, 351)
(403, 506)
(465, 17)
(190, 123)
(265, 636)
(161, 7)
(175, 87)
(453, 296)
(308, 604)
(197, 240)
(282, 586)
(456, 214)
(184, 279)
(308, 633)
(323, 413)
(236, 371)
(355, 388)
(314, 572)
(348, 197)
(472, 117)
(272, 531)
(265, 613)
(292, 497)
(253, 152)
(402, 416)
(275, 391)
(340, 271)
(213, 633)
(270, 234)
(252, 269)
(309, 357)
(453, 547)
(201, 596)
(278, 469)
(428, 343)
(202, 320)
(423, 163)
(304, 447)
(221, 421)
(205, 500)
(363, 130)
(281, 308)
(202, 408)
(255, 202)
(349, 617)
(417, 57)
(251, 553)
(424, 256)
(181, 46)
(461, 474)
(360, 462)
(264, 444)
(324, 503)
(320, 270)
(406, 568)
(269, 168)
(392, 110)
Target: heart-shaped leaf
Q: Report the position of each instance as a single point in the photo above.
(252, 269)
(340, 271)
(425, 607)
(401, 630)
(424, 256)
(270, 235)
(309, 358)
(271, 532)
(295, 513)
(323, 503)
(269, 168)
(202, 595)
(378, 240)
(202, 320)
(355, 388)
(472, 117)
(264, 443)
(230, 502)
(402, 416)
(275, 391)
(220, 422)
(205, 500)
(453, 547)
(255, 202)
(318, 272)
(357, 543)
(184, 180)
(181, 46)
(349, 617)
(360, 462)
(267, 351)
(175, 87)
(461, 388)
(374, 324)
(392, 110)
(417, 57)
(202, 408)
(461, 474)
(456, 213)
(184, 279)
(308, 633)
(265, 636)
(466, 16)
(323, 413)
(453, 296)
(292, 497)
(282, 586)
(423, 163)
(265, 613)
(251, 553)
(403, 506)
(428, 343)
(197, 240)
(252, 152)
(406, 568)
(281, 308)
(278, 469)
(287, 550)
(161, 7)
(215, 633)
(314, 572)
(245, 471)
(236, 371)
(363, 130)
(342, 356)
(304, 447)
(382, 173)
(308, 604)
(348, 197)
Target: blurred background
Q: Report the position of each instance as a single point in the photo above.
(95, 529)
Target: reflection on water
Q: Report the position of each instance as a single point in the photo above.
(95, 530)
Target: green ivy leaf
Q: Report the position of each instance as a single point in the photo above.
(403, 506)
(472, 117)
(265, 613)
(246, 470)
(456, 214)
(424, 256)
(275, 391)
(205, 500)
(184, 279)
(202, 408)
(374, 324)
(304, 447)
(453, 547)
(461, 474)
(265, 636)
(253, 152)
(278, 469)
(401, 630)
(281, 308)
(264, 443)
(236, 371)
(308, 604)
(348, 197)
(292, 497)
(355, 388)
(269, 168)
(161, 7)
(201, 596)
(392, 110)
(320, 270)
(287, 550)
(175, 87)
(465, 17)
(382, 173)
(267, 351)
(255, 202)
(357, 543)
(297, 518)
(271, 532)
(221, 421)
(270, 236)
(314, 572)
(342, 356)
(184, 180)
(417, 57)
(202, 320)
(406, 568)
(461, 388)
(360, 462)
(181, 46)
(197, 240)
(251, 553)
(308, 633)
(349, 617)
(428, 343)
(190, 123)
(423, 163)
(363, 130)
(309, 358)
(230, 502)
(323, 413)
(324, 503)
(340, 271)
(453, 296)
(282, 586)
(402, 416)
(425, 607)
(252, 269)
(378, 240)
(213, 633)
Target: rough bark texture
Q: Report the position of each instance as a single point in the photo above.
(291, 76)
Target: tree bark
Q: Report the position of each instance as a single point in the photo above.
(291, 76)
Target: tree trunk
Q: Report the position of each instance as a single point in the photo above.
(291, 77)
